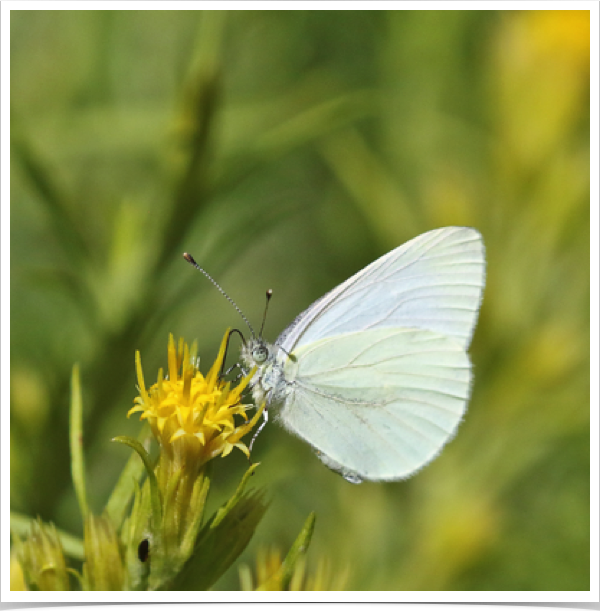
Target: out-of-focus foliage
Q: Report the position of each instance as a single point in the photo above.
(287, 150)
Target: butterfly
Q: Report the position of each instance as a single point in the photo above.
(375, 374)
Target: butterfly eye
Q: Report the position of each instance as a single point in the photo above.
(260, 354)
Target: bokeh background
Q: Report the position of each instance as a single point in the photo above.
(287, 150)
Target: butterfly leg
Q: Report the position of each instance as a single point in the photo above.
(265, 415)
(239, 375)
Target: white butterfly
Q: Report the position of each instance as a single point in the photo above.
(375, 375)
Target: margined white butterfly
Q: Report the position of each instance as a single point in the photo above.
(375, 375)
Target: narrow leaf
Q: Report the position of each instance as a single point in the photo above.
(223, 511)
(155, 500)
(297, 551)
(122, 493)
(76, 442)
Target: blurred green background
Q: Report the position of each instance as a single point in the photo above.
(287, 150)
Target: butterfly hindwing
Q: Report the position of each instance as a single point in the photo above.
(378, 403)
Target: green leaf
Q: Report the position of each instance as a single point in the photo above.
(219, 546)
(135, 529)
(223, 511)
(124, 490)
(54, 199)
(155, 500)
(199, 495)
(297, 551)
(223, 538)
(76, 442)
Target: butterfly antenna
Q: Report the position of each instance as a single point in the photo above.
(223, 372)
(269, 295)
(191, 260)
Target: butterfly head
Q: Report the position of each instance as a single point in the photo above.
(259, 352)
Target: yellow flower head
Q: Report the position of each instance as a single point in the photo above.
(192, 416)
(42, 560)
(270, 574)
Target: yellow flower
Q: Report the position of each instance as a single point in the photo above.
(42, 560)
(17, 580)
(103, 568)
(270, 574)
(562, 35)
(192, 416)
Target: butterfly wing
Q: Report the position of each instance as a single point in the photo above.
(432, 282)
(377, 404)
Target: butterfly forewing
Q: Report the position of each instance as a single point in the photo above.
(432, 282)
